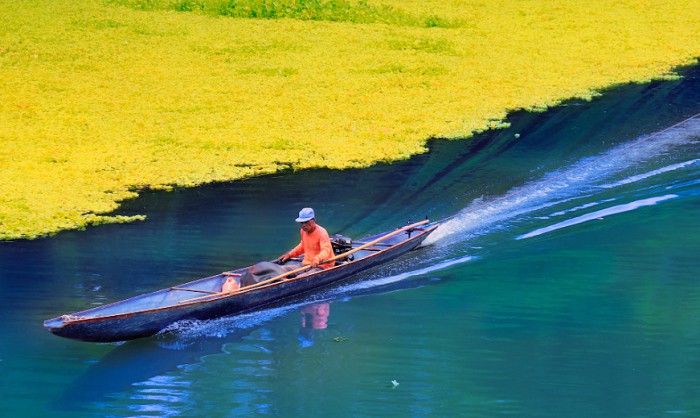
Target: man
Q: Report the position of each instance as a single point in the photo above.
(315, 243)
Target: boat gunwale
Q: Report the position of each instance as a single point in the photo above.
(218, 298)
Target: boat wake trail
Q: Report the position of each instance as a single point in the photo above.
(386, 282)
(594, 180)
(599, 215)
(193, 330)
(644, 176)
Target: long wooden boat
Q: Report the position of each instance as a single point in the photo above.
(147, 314)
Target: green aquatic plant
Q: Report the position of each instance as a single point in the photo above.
(102, 99)
(327, 10)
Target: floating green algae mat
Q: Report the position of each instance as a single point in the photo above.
(103, 98)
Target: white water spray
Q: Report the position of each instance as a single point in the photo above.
(581, 180)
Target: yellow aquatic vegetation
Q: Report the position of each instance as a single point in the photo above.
(103, 98)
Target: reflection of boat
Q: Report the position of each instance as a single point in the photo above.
(128, 366)
(145, 315)
(133, 367)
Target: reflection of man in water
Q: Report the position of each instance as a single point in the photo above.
(313, 317)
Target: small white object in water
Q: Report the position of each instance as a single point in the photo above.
(395, 383)
(516, 136)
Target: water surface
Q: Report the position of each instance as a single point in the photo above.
(563, 285)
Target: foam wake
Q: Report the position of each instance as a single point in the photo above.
(599, 215)
(582, 180)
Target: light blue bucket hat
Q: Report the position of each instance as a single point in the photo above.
(306, 214)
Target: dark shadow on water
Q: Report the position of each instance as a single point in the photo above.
(138, 361)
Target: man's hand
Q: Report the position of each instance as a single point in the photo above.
(284, 258)
(314, 263)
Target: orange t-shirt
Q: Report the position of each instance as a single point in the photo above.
(315, 246)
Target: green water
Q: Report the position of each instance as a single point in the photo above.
(565, 286)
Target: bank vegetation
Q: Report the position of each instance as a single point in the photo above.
(103, 98)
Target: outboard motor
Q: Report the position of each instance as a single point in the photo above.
(342, 244)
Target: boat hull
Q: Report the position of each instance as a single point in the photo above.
(146, 315)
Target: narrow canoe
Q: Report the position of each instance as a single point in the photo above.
(147, 314)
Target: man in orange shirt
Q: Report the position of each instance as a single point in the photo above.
(315, 243)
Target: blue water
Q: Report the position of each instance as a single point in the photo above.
(563, 284)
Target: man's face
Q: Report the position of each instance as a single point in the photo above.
(308, 226)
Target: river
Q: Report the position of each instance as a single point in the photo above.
(563, 284)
